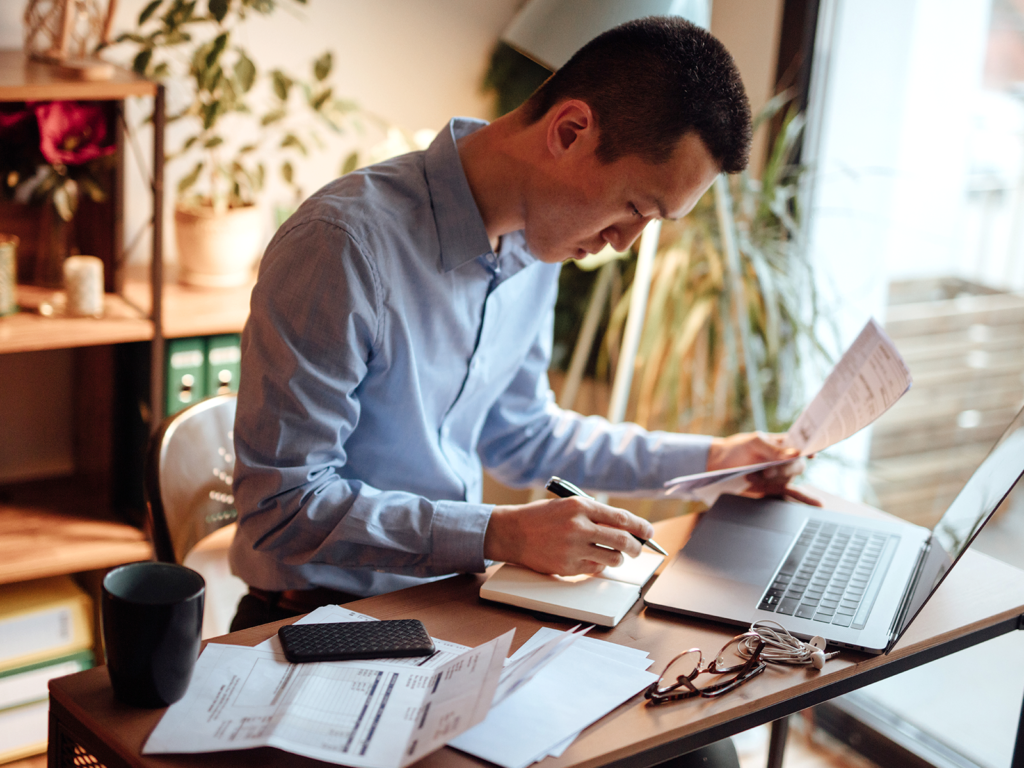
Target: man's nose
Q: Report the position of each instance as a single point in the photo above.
(621, 236)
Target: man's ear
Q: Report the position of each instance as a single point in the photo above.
(571, 127)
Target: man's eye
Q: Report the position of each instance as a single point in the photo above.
(636, 211)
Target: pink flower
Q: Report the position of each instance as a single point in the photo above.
(72, 133)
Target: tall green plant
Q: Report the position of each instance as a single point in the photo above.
(189, 41)
(692, 363)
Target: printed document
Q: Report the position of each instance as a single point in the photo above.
(865, 383)
(546, 713)
(375, 713)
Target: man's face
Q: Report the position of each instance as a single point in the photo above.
(585, 205)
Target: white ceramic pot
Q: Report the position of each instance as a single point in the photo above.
(217, 250)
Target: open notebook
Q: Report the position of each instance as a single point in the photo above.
(602, 599)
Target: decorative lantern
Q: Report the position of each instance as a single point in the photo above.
(67, 32)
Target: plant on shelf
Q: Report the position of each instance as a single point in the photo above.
(236, 113)
(53, 153)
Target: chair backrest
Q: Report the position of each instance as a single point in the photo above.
(189, 468)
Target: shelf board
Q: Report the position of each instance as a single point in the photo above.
(189, 311)
(28, 331)
(36, 542)
(22, 79)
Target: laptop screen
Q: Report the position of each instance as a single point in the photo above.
(984, 492)
(991, 482)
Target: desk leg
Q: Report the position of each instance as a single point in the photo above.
(777, 743)
(1018, 749)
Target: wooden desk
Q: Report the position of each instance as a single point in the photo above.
(981, 599)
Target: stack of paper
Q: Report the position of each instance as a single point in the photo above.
(381, 713)
(585, 682)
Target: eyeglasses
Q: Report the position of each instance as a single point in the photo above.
(678, 679)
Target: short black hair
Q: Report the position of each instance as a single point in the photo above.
(651, 81)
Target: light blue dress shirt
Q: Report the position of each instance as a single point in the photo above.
(389, 355)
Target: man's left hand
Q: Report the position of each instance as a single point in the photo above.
(755, 448)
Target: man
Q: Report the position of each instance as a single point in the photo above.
(400, 334)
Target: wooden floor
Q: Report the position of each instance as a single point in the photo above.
(806, 747)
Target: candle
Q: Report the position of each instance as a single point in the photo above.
(8, 275)
(83, 283)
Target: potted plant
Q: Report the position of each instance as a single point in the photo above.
(53, 154)
(235, 114)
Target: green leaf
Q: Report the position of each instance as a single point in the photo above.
(93, 189)
(210, 113)
(282, 84)
(247, 149)
(319, 100)
(291, 140)
(287, 172)
(350, 163)
(191, 178)
(219, 44)
(148, 11)
(65, 199)
(189, 142)
(161, 71)
(213, 141)
(141, 61)
(272, 117)
(245, 72)
(322, 67)
(219, 9)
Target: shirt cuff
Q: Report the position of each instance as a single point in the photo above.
(457, 536)
(680, 454)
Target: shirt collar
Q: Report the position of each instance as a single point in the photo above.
(460, 228)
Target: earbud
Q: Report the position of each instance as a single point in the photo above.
(781, 647)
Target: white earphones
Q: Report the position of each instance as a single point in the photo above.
(783, 648)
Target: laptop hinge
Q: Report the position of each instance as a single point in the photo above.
(908, 594)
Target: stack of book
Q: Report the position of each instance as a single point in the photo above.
(45, 632)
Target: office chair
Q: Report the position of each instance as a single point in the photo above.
(188, 473)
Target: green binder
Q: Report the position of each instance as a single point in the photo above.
(186, 372)
(223, 355)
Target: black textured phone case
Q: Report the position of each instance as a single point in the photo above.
(344, 641)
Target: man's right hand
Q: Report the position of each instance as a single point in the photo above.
(564, 536)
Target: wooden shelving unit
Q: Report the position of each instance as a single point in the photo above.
(66, 525)
(191, 311)
(29, 331)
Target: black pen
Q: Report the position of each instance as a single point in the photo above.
(565, 489)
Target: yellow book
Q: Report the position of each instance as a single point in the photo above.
(23, 731)
(42, 620)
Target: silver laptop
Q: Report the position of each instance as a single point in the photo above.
(855, 581)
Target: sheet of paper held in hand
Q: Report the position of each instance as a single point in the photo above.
(864, 384)
(382, 713)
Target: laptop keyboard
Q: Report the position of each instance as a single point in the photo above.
(827, 575)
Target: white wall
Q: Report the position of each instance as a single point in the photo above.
(750, 30)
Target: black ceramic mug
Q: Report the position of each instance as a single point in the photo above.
(152, 620)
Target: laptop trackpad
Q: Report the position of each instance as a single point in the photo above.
(738, 552)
